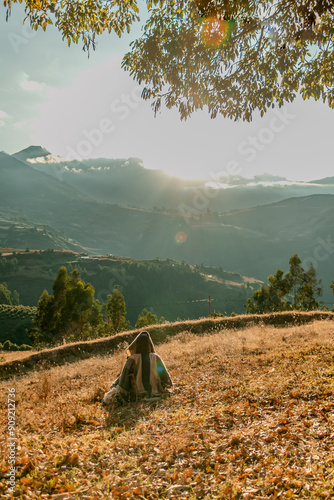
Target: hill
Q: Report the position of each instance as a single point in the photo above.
(250, 416)
(272, 233)
(326, 180)
(16, 231)
(167, 288)
(31, 152)
(253, 241)
(101, 228)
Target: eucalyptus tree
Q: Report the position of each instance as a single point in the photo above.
(230, 57)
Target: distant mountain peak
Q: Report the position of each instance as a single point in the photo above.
(326, 180)
(31, 152)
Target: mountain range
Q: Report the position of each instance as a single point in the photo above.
(105, 206)
(127, 182)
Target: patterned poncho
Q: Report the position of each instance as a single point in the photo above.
(143, 374)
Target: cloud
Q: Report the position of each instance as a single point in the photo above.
(3, 114)
(31, 85)
(2, 123)
(20, 124)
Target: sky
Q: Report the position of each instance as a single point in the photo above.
(55, 96)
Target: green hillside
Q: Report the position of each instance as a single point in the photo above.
(16, 231)
(167, 288)
(13, 323)
(31, 272)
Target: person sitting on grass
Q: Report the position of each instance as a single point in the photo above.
(143, 375)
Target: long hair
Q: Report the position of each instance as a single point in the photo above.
(142, 344)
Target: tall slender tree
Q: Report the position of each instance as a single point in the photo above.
(116, 311)
(310, 290)
(72, 311)
(295, 278)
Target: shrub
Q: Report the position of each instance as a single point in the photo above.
(9, 346)
(25, 347)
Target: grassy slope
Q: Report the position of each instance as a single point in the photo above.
(251, 417)
(11, 366)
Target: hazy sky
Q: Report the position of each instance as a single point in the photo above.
(54, 96)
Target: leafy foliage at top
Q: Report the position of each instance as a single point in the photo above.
(231, 57)
(235, 57)
(81, 19)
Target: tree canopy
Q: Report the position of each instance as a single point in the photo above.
(72, 311)
(116, 311)
(297, 290)
(8, 297)
(147, 318)
(231, 57)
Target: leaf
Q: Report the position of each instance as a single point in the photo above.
(174, 476)
(25, 480)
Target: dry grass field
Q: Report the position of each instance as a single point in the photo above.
(251, 416)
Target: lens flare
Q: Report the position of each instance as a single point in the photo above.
(180, 237)
(214, 31)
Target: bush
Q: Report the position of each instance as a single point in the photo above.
(9, 346)
(25, 347)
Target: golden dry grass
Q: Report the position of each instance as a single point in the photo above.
(251, 416)
(7, 356)
(72, 352)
